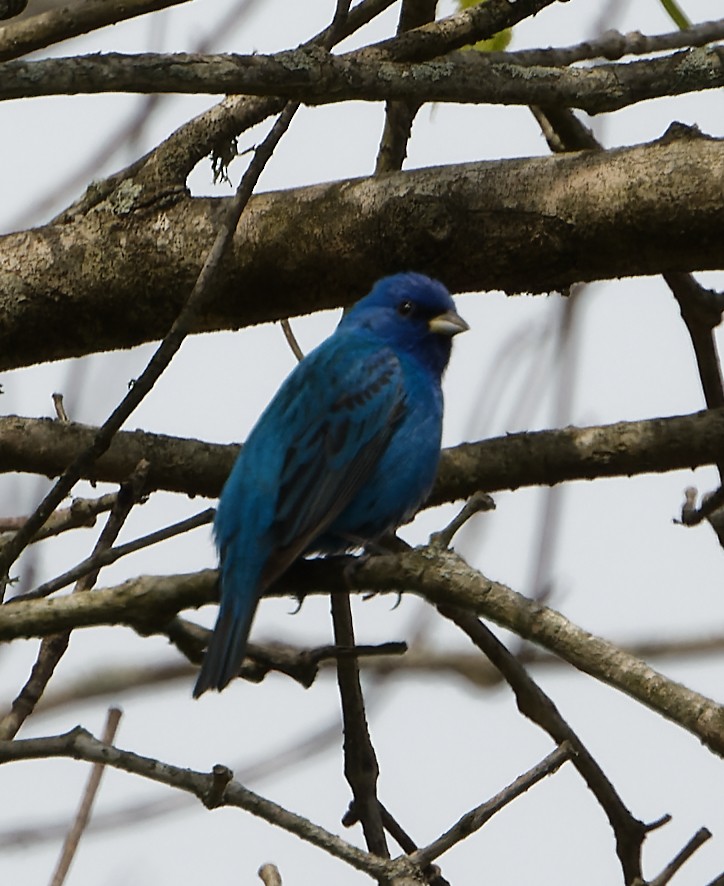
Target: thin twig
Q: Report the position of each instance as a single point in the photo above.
(60, 412)
(381, 661)
(613, 45)
(476, 818)
(106, 556)
(399, 116)
(269, 875)
(81, 745)
(360, 761)
(479, 501)
(81, 513)
(291, 339)
(84, 810)
(699, 838)
(53, 648)
(538, 707)
(431, 872)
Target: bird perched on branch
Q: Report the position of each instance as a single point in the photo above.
(346, 451)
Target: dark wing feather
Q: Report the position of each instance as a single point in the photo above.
(334, 456)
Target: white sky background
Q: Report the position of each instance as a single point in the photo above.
(620, 567)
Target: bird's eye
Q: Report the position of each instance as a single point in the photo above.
(404, 309)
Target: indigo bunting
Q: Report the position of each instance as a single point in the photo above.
(346, 451)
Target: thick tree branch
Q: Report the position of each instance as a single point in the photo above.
(148, 603)
(538, 458)
(521, 225)
(315, 76)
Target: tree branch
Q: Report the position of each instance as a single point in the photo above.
(314, 76)
(53, 648)
(82, 512)
(81, 745)
(360, 761)
(149, 602)
(72, 839)
(544, 223)
(613, 45)
(69, 21)
(476, 818)
(383, 661)
(536, 458)
(107, 555)
(540, 709)
(179, 329)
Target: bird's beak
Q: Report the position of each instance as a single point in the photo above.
(449, 323)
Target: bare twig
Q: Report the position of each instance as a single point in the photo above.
(270, 764)
(81, 513)
(538, 707)
(269, 875)
(291, 339)
(81, 745)
(698, 840)
(302, 665)
(701, 311)
(60, 412)
(476, 818)
(478, 502)
(83, 815)
(105, 556)
(385, 660)
(613, 45)
(53, 648)
(360, 761)
(399, 116)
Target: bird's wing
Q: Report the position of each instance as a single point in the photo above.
(336, 453)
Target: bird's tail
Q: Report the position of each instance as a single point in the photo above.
(227, 645)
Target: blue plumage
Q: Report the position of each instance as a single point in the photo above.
(346, 450)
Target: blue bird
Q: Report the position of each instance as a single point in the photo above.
(346, 451)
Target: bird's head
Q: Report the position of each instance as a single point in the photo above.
(410, 312)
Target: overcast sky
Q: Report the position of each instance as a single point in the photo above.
(618, 564)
